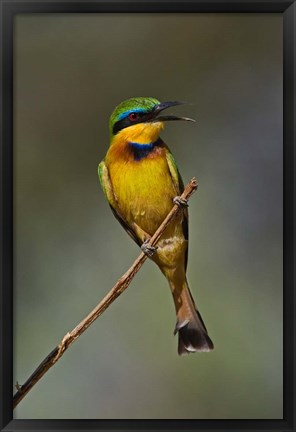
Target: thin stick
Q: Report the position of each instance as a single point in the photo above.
(120, 286)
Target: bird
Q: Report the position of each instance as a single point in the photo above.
(142, 183)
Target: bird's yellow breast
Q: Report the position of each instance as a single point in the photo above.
(144, 189)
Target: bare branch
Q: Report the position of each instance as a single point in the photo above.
(120, 286)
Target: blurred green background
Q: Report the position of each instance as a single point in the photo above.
(70, 73)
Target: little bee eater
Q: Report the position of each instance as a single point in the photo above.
(141, 181)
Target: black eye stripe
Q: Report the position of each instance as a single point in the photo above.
(121, 124)
(126, 122)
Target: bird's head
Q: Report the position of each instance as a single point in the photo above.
(141, 118)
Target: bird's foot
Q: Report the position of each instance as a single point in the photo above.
(181, 202)
(147, 249)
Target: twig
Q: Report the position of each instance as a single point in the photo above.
(120, 286)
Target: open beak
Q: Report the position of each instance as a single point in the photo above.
(164, 105)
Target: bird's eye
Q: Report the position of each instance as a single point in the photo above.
(133, 116)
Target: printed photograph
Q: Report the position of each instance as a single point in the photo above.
(114, 114)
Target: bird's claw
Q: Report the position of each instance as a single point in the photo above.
(147, 249)
(181, 202)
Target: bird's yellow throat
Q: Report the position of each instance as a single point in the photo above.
(141, 133)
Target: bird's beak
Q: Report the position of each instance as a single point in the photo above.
(164, 105)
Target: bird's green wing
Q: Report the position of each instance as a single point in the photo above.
(106, 183)
(179, 186)
(108, 191)
(177, 180)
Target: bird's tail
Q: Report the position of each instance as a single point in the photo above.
(193, 335)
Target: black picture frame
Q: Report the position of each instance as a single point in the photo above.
(9, 9)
